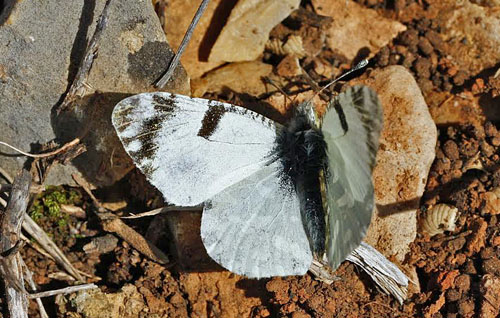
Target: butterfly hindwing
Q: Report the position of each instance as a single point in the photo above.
(254, 227)
(351, 158)
(191, 148)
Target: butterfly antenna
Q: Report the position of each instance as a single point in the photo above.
(271, 82)
(358, 66)
(307, 104)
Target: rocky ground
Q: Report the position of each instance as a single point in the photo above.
(433, 64)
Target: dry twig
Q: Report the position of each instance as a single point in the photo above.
(6, 175)
(185, 41)
(165, 209)
(43, 155)
(66, 290)
(44, 240)
(111, 223)
(11, 263)
(78, 86)
(29, 278)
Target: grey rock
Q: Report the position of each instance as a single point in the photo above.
(42, 44)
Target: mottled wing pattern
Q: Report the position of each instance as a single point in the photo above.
(351, 158)
(254, 228)
(191, 148)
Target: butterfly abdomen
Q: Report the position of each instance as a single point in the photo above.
(301, 148)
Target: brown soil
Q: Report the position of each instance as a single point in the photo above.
(454, 269)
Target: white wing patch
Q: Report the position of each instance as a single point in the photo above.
(351, 157)
(192, 148)
(254, 228)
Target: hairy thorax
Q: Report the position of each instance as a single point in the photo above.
(301, 148)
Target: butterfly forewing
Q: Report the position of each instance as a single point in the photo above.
(351, 157)
(254, 227)
(191, 148)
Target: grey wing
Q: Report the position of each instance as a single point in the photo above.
(254, 228)
(351, 158)
(192, 148)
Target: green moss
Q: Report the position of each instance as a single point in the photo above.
(47, 206)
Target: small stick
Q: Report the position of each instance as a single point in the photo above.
(29, 278)
(163, 210)
(3, 202)
(66, 290)
(11, 267)
(43, 155)
(113, 224)
(6, 175)
(5, 187)
(36, 247)
(78, 84)
(185, 41)
(86, 187)
(46, 242)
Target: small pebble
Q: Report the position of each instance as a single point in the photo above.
(399, 5)
(460, 259)
(422, 67)
(469, 148)
(457, 164)
(462, 282)
(451, 132)
(408, 60)
(487, 253)
(425, 46)
(425, 84)
(447, 86)
(452, 71)
(423, 23)
(450, 149)
(437, 80)
(456, 244)
(469, 267)
(466, 307)
(409, 38)
(486, 149)
(383, 56)
(394, 59)
(491, 266)
(452, 295)
(495, 141)
(490, 129)
(442, 165)
(459, 78)
(435, 40)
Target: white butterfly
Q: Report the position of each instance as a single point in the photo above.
(274, 195)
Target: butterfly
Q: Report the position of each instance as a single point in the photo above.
(274, 195)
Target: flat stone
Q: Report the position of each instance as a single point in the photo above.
(472, 34)
(356, 29)
(228, 31)
(244, 77)
(125, 303)
(247, 29)
(178, 16)
(39, 61)
(406, 152)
